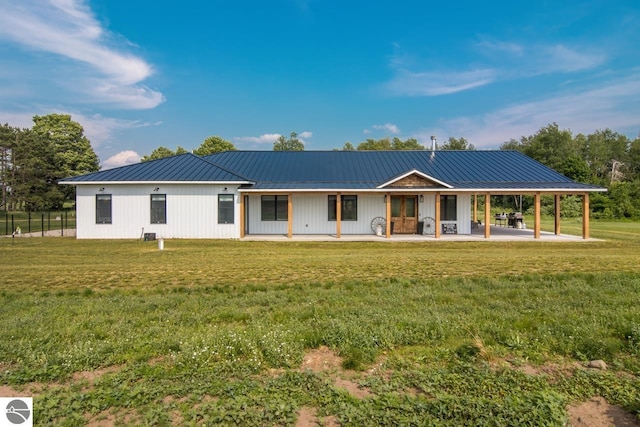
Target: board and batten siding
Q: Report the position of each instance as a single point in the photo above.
(427, 208)
(191, 211)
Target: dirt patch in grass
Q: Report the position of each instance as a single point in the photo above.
(323, 359)
(307, 418)
(596, 412)
(91, 376)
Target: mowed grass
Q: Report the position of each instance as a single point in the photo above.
(218, 332)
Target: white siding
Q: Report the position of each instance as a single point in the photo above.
(463, 211)
(311, 215)
(192, 212)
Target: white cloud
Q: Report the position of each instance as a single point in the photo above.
(97, 128)
(611, 105)
(305, 135)
(408, 83)
(267, 138)
(123, 158)
(68, 28)
(389, 127)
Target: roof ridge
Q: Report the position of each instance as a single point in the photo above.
(222, 167)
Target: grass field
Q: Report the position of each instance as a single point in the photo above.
(340, 333)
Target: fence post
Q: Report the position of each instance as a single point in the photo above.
(13, 228)
(6, 223)
(42, 224)
(29, 221)
(61, 225)
(48, 220)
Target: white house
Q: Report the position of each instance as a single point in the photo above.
(238, 193)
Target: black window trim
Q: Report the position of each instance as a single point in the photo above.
(332, 207)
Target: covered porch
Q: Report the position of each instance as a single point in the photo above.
(422, 216)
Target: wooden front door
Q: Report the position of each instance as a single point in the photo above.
(404, 214)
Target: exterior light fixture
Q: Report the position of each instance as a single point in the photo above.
(101, 189)
(421, 198)
(156, 189)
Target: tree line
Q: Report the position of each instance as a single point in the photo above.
(32, 161)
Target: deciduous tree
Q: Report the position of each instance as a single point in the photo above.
(214, 144)
(288, 144)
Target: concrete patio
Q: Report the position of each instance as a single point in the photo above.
(498, 234)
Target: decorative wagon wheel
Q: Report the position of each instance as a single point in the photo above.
(429, 226)
(378, 222)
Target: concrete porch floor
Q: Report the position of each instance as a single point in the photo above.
(498, 234)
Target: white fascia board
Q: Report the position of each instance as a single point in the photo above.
(508, 191)
(498, 191)
(416, 172)
(154, 182)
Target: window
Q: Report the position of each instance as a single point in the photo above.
(225, 209)
(275, 208)
(158, 209)
(448, 208)
(103, 208)
(349, 208)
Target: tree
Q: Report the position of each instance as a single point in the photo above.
(348, 146)
(34, 173)
(385, 144)
(214, 144)
(288, 144)
(158, 153)
(457, 144)
(375, 145)
(408, 144)
(7, 142)
(62, 142)
(71, 149)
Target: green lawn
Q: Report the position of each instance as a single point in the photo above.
(225, 332)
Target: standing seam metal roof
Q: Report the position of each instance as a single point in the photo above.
(344, 169)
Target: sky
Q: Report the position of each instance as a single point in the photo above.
(140, 74)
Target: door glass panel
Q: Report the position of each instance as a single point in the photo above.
(410, 208)
(396, 204)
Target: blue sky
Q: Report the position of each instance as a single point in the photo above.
(142, 74)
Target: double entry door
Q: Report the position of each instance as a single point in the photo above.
(404, 214)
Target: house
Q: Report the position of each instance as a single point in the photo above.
(238, 193)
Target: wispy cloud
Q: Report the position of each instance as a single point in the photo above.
(105, 71)
(266, 138)
(122, 158)
(521, 60)
(270, 138)
(388, 127)
(97, 128)
(500, 61)
(611, 105)
(408, 83)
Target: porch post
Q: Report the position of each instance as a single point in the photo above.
(557, 215)
(475, 207)
(437, 215)
(388, 214)
(290, 215)
(241, 196)
(585, 216)
(487, 216)
(536, 216)
(338, 215)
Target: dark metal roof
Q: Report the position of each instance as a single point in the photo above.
(357, 170)
(369, 169)
(184, 167)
